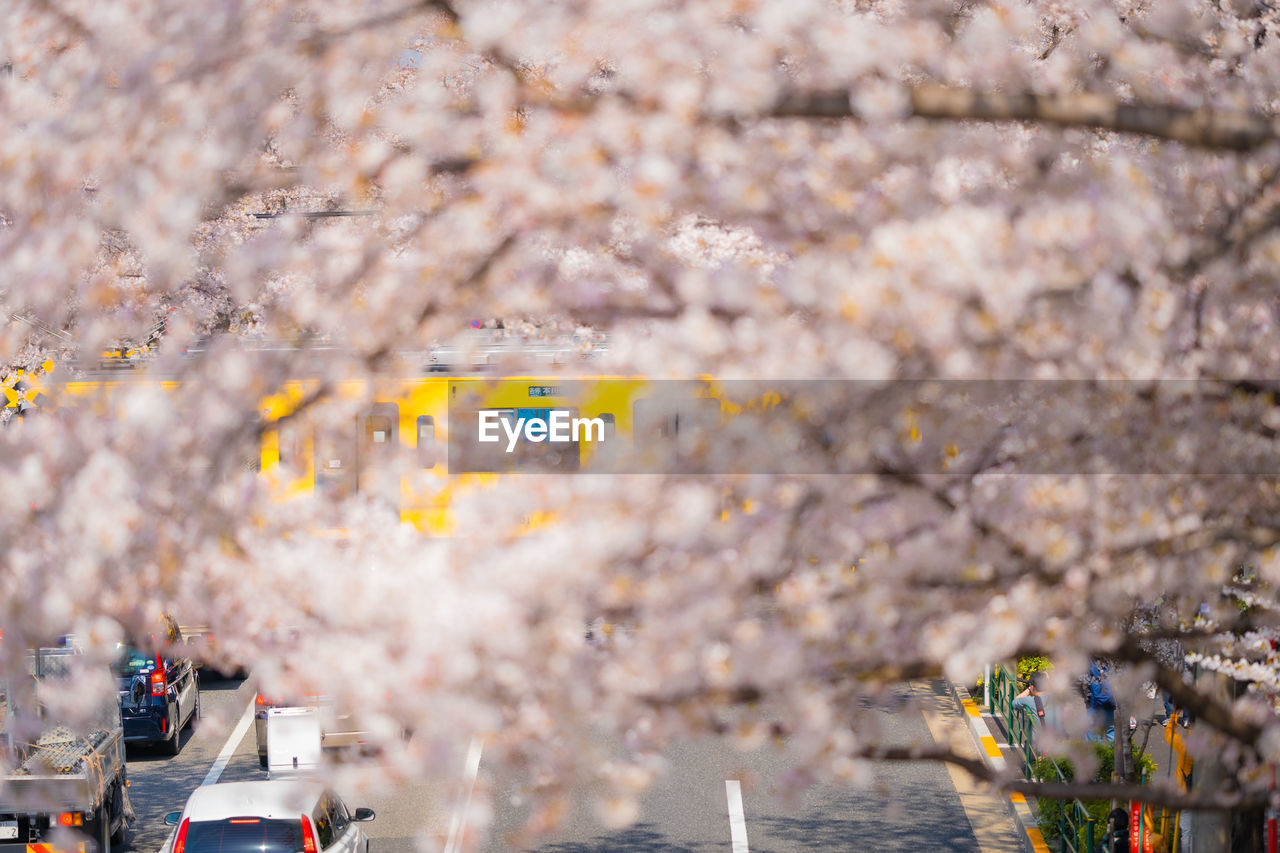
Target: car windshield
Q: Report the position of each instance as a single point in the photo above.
(131, 661)
(244, 835)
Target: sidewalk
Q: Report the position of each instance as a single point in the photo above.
(985, 811)
(998, 754)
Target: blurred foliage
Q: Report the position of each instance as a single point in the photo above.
(1029, 666)
(1052, 812)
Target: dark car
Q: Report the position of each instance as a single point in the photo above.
(159, 693)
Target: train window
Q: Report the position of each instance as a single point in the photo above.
(427, 455)
(546, 455)
(378, 429)
(610, 426)
(524, 455)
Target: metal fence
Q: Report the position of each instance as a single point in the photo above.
(1077, 830)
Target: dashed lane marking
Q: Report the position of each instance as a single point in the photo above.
(737, 817)
(228, 748)
(989, 744)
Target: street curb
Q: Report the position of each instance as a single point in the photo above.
(1023, 817)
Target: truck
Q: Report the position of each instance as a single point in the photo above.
(293, 741)
(57, 775)
(337, 729)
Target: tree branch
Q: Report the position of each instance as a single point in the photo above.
(475, 277)
(1233, 233)
(1203, 128)
(1155, 795)
(976, 767)
(1205, 708)
(73, 23)
(324, 39)
(1033, 565)
(747, 693)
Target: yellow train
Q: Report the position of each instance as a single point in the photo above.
(412, 438)
(399, 446)
(415, 441)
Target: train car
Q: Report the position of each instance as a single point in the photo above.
(416, 441)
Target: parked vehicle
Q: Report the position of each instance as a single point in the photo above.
(202, 647)
(266, 817)
(61, 777)
(158, 691)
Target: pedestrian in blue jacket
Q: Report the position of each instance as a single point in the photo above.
(1100, 701)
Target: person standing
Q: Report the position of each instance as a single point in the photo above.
(1100, 701)
(1032, 698)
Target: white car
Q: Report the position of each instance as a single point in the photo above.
(266, 817)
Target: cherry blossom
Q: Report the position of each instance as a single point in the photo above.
(1077, 190)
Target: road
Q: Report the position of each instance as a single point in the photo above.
(713, 798)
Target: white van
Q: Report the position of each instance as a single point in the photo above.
(293, 741)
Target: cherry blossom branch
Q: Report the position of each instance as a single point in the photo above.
(72, 22)
(1205, 708)
(1184, 44)
(475, 277)
(1199, 540)
(1198, 633)
(1155, 795)
(1232, 234)
(749, 693)
(1033, 564)
(395, 16)
(1202, 128)
(453, 165)
(1055, 39)
(975, 766)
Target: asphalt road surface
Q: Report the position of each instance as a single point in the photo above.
(713, 797)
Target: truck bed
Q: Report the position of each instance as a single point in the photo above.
(66, 771)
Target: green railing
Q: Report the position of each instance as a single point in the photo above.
(1018, 724)
(1077, 830)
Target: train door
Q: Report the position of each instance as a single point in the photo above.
(378, 454)
(335, 461)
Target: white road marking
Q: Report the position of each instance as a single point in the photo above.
(737, 818)
(473, 769)
(229, 747)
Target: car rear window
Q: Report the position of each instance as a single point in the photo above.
(244, 835)
(132, 661)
